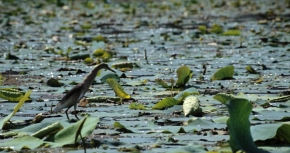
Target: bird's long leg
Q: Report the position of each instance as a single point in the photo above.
(75, 106)
(66, 112)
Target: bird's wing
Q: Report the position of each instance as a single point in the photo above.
(72, 97)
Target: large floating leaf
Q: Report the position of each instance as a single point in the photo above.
(199, 124)
(224, 73)
(119, 91)
(53, 128)
(11, 94)
(27, 142)
(191, 106)
(239, 126)
(67, 135)
(16, 108)
(184, 74)
(166, 102)
(264, 132)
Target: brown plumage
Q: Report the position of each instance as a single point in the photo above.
(78, 91)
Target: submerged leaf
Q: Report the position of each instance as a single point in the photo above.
(119, 91)
(27, 142)
(184, 74)
(224, 73)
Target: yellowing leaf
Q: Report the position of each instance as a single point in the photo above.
(224, 73)
(11, 94)
(259, 80)
(119, 91)
(16, 108)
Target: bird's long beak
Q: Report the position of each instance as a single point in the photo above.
(111, 70)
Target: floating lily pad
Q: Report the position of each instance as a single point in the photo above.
(224, 73)
(183, 74)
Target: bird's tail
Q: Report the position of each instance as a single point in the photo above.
(57, 108)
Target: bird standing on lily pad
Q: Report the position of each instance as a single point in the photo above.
(78, 91)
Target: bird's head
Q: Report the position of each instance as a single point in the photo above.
(104, 66)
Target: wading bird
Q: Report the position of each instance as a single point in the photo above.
(78, 91)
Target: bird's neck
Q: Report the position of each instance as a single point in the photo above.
(89, 79)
